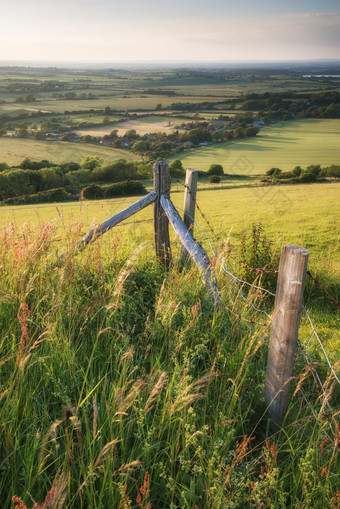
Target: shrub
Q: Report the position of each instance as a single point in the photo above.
(215, 169)
(273, 172)
(52, 195)
(129, 188)
(214, 179)
(92, 192)
(307, 177)
(333, 171)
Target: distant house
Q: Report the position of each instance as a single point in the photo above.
(71, 137)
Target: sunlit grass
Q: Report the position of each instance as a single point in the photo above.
(121, 386)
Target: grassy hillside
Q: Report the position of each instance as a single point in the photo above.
(283, 145)
(122, 387)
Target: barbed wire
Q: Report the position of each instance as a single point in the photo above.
(304, 350)
(316, 282)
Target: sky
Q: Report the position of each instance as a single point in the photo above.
(143, 31)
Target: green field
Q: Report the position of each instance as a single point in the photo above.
(306, 215)
(13, 150)
(282, 145)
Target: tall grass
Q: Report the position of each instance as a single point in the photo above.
(122, 386)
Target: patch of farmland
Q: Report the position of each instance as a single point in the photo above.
(282, 145)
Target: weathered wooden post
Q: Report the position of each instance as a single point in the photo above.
(285, 326)
(161, 175)
(189, 206)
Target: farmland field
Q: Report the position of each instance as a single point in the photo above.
(142, 126)
(13, 150)
(282, 145)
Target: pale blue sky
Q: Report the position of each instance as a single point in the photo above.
(177, 30)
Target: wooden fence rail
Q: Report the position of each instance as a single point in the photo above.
(290, 286)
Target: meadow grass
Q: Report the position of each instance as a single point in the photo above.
(122, 386)
(282, 145)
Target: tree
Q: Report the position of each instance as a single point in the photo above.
(131, 135)
(91, 162)
(140, 146)
(215, 169)
(176, 169)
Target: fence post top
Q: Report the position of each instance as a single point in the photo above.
(296, 249)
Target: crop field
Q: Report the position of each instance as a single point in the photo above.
(142, 126)
(126, 102)
(14, 150)
(282, 145)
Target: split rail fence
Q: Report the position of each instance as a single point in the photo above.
(290, 285)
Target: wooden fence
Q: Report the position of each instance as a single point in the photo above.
(290, 286)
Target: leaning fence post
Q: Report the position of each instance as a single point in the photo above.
(189, 206)
(161, 175)
(285, 326)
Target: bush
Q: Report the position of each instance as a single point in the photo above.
(273, 172)
(92, 192)
(52, 195)
(129, 188)
(214, 179)
(333, 171)
(215, 169)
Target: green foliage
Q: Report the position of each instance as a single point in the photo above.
(140, 146)
(176, 169)
(333, 171)
(52, 195)
(91, 162)
(214, 179)
(115, 172)
(144, 170)
(28, 164)
(215, 169)
(258, 260)
(273, 172)
(129, 188)
(4, 166)
(92, 192)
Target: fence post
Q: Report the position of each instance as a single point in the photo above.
(161, 176)
(285, 326)
(189, 206)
